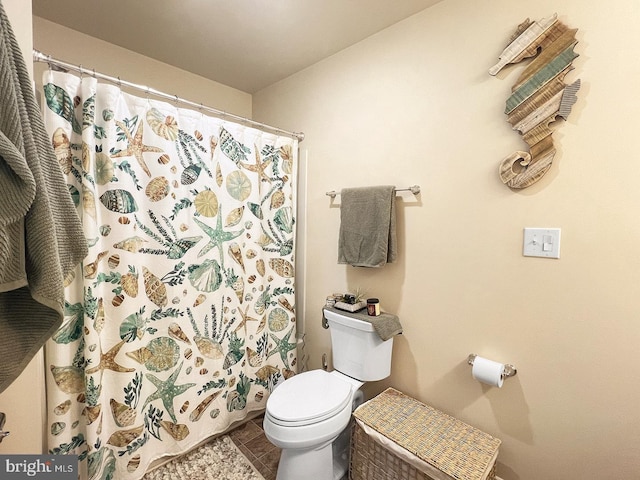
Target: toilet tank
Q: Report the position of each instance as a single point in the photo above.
(358, 351)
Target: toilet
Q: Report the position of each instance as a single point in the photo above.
(307, 415)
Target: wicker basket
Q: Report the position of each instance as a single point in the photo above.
(447, 448)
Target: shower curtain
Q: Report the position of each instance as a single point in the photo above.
(180, 320)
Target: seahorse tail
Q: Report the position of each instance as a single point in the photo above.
(521, 169)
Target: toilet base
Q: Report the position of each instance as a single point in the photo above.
(329, 462)
(306, 463)
(340, 447)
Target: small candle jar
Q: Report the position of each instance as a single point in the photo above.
(373, 307)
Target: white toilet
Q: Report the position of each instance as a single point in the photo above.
(308, 414)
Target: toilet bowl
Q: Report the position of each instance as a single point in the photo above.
(304, 416)
(308, 415)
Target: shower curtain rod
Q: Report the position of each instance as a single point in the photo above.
(41, 57)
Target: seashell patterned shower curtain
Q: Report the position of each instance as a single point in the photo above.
(181, 320)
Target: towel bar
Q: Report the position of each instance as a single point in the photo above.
(415, 189)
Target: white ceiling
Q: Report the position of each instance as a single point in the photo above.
(245, 44)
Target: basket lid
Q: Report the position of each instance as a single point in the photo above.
(444, 442)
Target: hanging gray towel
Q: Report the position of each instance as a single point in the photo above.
(367, 226)
(41, 237)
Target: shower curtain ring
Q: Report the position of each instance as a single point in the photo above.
(81, 71)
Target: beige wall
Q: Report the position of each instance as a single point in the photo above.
(415, 104)
(77, 48)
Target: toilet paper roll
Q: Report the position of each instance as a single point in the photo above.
(487, 371)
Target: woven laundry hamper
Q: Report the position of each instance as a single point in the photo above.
(396, 437)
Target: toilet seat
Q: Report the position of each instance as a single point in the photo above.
(308, 398)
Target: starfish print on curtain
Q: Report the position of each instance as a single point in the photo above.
(108, 362)
(135, 147)
(283, 347)
(217, 236)
(259, 167)
(167, 391)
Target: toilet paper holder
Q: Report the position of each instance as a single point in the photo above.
(509, 370)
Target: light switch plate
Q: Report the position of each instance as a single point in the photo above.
(541, 242)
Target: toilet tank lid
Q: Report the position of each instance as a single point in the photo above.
(315, 394)
(348, 320)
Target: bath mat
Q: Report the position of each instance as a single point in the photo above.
(219, 459)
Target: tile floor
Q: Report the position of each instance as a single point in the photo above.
(250, 439)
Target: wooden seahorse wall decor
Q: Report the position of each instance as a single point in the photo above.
(539, 95)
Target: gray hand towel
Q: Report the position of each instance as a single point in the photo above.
(367, 226)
